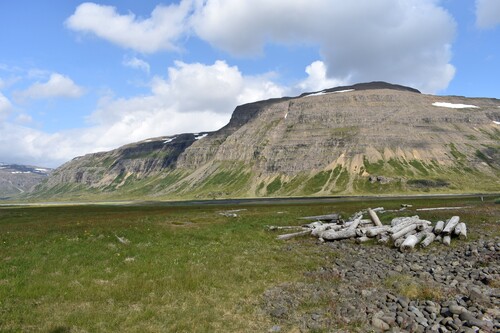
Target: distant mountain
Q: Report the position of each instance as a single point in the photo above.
(370, 138)
(16, 179)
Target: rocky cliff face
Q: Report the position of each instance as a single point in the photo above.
(16, 179)
(366, 138)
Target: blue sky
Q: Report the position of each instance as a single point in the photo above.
(79, 77)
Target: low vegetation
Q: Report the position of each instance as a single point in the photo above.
(172, 267)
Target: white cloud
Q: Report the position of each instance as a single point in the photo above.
(136, 63)
(400, 41)
(317, 80)
(193, 98)
(57, 86)
(487, 13)
(5, 106)
(158, 32)
(24, 118)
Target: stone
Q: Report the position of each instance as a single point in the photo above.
(279, 312)
(380, 324)
(275, 329)
(457, 309)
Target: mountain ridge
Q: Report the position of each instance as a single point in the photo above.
(367, 138)
(17, 178)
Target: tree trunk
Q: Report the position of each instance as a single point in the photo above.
(461, 230)
(374, 231)
(328, 217)
(354, 224)
(295, 234)
(439, 227)
(335, 235)
(404, 231)
(412, 240)
(446, 240)
(398, 242)
(399, 220)
(429, 238)
(450, 226)
(374, 218)
(291, 227)
(316, 232)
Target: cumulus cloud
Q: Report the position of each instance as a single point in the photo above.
(5, 106)
(136, 63)
(487, 13)
(192, 98)
(158, 32)
(317, 78)
(401, 41)
(57, 86)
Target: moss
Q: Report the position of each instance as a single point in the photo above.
(373, 168)
(456, 154)
(342, 179)
(483, 157)
(419, 166)
(274, 186)
(316, 183)
(294, 185)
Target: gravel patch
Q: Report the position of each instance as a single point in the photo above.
(374, 288)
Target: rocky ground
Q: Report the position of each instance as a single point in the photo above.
(372, 288)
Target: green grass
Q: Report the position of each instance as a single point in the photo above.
(274, 186)
(373, 168)
(180, 267)
(316, 183)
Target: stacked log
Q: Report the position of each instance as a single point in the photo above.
(404, 233)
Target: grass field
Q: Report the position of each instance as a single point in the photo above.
(166, 267)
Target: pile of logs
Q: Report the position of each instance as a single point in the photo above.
(403, 232)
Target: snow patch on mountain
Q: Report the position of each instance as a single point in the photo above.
(200, 136)
(454, 106)
(328, 93)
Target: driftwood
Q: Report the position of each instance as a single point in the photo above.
(398, 242)
(450, 225)
(429, 238)
(286, 227)
(411, 241)
(404, 232)
(461, 231)
(295, 234)
(328, 217)
(439, 208)
(374, 217)
(439, 227)
(354, 224)
(340, 234)
(400, 220)
(328, 226)
(374, 231)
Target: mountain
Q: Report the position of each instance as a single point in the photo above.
(369, 138)
(16, 179)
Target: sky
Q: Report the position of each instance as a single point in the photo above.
(81, 77)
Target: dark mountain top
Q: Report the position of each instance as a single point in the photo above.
(366, 86)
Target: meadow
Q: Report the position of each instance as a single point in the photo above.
(169, 267)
